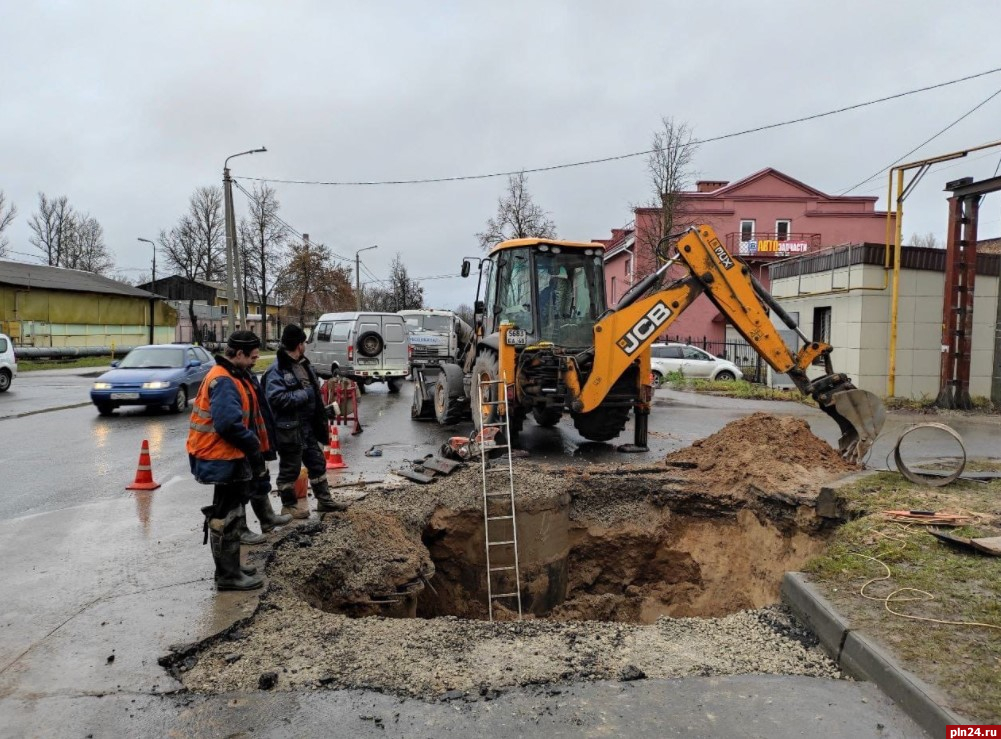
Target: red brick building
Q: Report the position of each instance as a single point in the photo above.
(762, 218)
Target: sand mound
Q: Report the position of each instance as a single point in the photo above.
(763, 452)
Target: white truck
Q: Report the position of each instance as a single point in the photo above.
(436, 336)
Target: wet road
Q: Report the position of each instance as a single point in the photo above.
(94, 572)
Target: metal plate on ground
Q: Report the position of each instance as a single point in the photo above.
(444, 466)
(415, 476)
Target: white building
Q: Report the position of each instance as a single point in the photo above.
(843, 296)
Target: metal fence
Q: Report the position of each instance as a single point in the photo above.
(737, 351)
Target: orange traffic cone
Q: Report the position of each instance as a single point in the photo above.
(334, 459)
(144, 472)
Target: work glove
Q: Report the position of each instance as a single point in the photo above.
(333, 410)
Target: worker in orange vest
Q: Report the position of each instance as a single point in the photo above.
(227, 441)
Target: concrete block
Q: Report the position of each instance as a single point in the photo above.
(865, 660)
(815, 611)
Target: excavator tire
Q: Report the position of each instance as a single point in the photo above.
(486, 368)
(601, 424)
(547, 417)
(449, 401)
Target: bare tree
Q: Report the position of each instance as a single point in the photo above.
(185, 252)
(310, 283)
(206, 221)
(85, 248)
(52, 225)
(399, 292)
(518, 217)
(670, 171)
(929, 241)
(7, 213)
(262, 239)
(465, 312)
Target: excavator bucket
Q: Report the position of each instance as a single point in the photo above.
(860, 415)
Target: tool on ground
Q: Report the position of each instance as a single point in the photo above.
(500, 517)
(914, 476)
(144, 472)
(373, 451)
(334, 459)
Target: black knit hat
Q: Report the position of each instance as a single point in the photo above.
(244, 341)
(292, 336)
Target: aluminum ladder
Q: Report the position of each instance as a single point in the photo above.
(498, 389)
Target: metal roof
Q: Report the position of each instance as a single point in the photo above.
(44, 277)
(840, 257)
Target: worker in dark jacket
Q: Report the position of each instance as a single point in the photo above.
(227, 441)
(301, 419)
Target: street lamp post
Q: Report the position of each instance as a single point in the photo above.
(358, 273)
(232, 253)
(152, 306)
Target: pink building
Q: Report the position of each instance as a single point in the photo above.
(762, 218)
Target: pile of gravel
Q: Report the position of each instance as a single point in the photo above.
(310, 649)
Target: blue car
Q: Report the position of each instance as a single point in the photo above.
(155, 375)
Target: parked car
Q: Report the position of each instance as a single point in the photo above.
(364, 347)
(691, 362)
(154, 375)
(8, 363)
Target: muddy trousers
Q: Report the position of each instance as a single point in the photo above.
(298, 448)
(222, 531)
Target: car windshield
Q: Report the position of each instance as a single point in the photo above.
(150, 358)
(571, 296)
(437, 324)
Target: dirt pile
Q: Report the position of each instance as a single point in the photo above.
(762, 453)
(352, 563)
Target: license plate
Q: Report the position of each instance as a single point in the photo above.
(125, 396)
(368, 361)
(517, 337)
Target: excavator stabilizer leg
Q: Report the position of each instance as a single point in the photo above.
(860, 415)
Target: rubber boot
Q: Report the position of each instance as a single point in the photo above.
(246, 535)
(213, 529)
(324, 502)
(229, 574)
(266, 514)
(290, 504)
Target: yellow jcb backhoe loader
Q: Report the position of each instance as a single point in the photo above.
(542, 326)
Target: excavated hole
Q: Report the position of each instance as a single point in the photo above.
(697, 556)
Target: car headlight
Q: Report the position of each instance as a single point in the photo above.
(156, 385)
(102, 385)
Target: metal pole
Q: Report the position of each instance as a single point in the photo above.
(152, 304)
(358, 274)
(228, 198)
(891, 380)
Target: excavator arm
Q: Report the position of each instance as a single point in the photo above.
(641, 316)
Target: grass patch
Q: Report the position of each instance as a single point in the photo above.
(926, 404)
(31, 365)
(734, 389)
(963, 661)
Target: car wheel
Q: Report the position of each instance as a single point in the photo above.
(725, 376)
(5, 378)
(180, 400)
(658, 378)
(105, 410)
(394, 384)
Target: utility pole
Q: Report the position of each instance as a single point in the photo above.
(233, 262)
(358, 274)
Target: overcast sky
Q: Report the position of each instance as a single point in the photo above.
(127, 107)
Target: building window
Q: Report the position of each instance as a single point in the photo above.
(614, 293)
(225, 309)
(821, 328)
(747, 230)
(629, 269)
(782, 229)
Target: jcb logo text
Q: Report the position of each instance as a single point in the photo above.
(644, 328)
(725, 259)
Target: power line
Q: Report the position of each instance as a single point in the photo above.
(603, 160)
(285, 224)
(926, 141)
(421, 279)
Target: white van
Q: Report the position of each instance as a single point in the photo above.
(365, 347)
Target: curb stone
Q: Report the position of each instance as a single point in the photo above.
(863, 659)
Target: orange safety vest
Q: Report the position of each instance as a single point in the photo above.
(204, 442)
